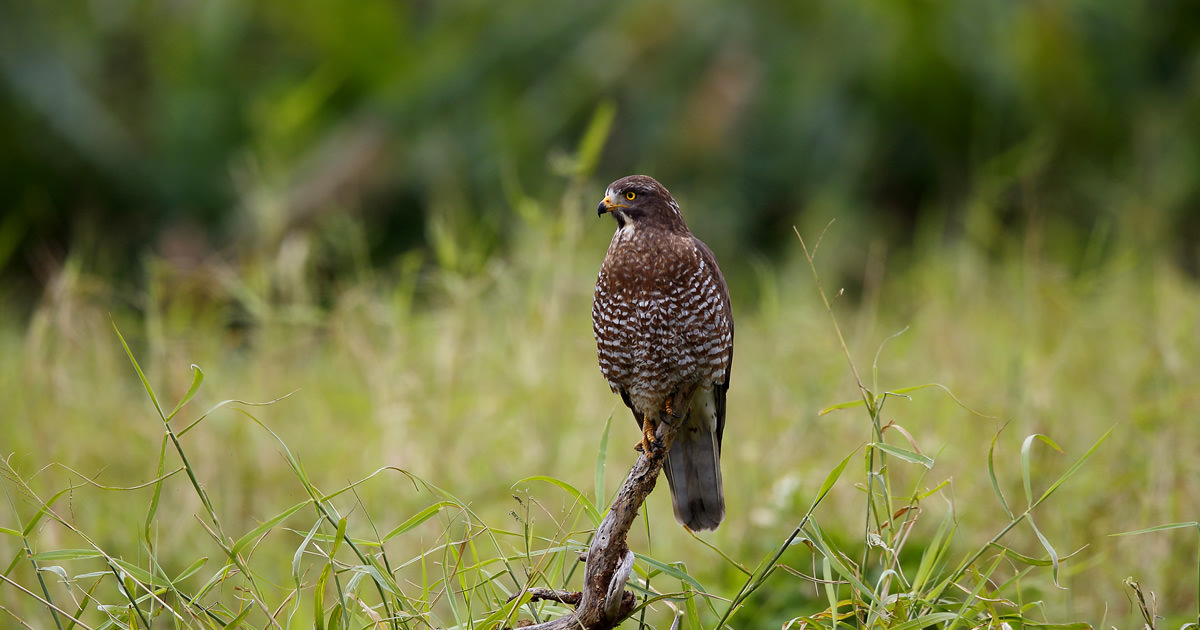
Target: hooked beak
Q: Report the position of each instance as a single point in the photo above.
(607, 206)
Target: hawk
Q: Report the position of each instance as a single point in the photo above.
(664, 336)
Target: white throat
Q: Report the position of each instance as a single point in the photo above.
(625, 232)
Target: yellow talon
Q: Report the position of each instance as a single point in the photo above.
(649, 442)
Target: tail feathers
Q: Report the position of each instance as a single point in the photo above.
(693, 469)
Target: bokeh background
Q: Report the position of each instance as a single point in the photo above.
(187, 128)
(390, 205)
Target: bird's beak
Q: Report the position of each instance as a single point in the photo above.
(608, 206)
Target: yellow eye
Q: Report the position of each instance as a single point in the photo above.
(630, 195)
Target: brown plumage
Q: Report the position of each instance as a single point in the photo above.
(664, 336)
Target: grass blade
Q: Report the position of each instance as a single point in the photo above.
(1159, 528)
(601, 458)
(904, 454)
(1026, 473)
(265, 527)
(991, 470)
(1048, 547)
(158, 485)
(571, 490)
(138, 368)
(417, 519)
(197, 378)
(1070, 472)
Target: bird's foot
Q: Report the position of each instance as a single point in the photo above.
(676, 405)
(649, 443)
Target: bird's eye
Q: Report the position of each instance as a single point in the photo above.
(631, 195)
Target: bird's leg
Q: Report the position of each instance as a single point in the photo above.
(677, 403)
(675, 408)
(652, 427)
(648, 441)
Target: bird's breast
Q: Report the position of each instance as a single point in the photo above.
(647, 309)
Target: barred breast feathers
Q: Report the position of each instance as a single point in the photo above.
(661, 301)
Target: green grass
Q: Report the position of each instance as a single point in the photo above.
(432, 443)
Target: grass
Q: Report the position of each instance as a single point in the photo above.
(430, 444)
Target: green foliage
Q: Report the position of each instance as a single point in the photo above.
(485, 572)
(328, 507)
(225, 126)
(325, 507)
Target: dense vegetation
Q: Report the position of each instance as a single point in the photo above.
(379, 218)
(489, 401)
(196, 128)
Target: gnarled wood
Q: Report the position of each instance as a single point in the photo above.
(604, 602)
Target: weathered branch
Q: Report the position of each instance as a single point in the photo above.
(563, 597)
(604, 602)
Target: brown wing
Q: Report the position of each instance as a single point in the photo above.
(722, 335)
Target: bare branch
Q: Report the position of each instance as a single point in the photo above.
(604, 602)
(549, 594)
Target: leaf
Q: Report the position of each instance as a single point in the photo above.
(587, 504)
(1078, 625)
(505, 612)
(255, 533)
(339, 538)
(66, 554)
(137, 368)
(1049, 549)
(840, 406)
(935, 552)
(601, 460)
(991, 469)
(377, 577)
(237, 621)
(1159, 528)
(924, 621)
(693, 612)
(135, 572)
(197, 378)
(335, 616)
(906, 390)
(831, 559)
(878, 353)
(158, 484)
(319, 597)
(672, 571)
(43, 511)
(911, 457)
(1075, 467)
(1030, 560)
(418, 518)
(191, 569)
(299, 555)
(1026, 474)
(829, 482)
(56, 570)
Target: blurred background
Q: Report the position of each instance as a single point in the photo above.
(192, 129)
(390, 206)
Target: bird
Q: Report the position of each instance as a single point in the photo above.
(664, 339)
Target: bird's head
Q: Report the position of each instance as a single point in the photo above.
(639, 200)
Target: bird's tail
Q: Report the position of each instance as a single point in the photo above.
(693, 468)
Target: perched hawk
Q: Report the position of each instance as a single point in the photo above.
(664, 336)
